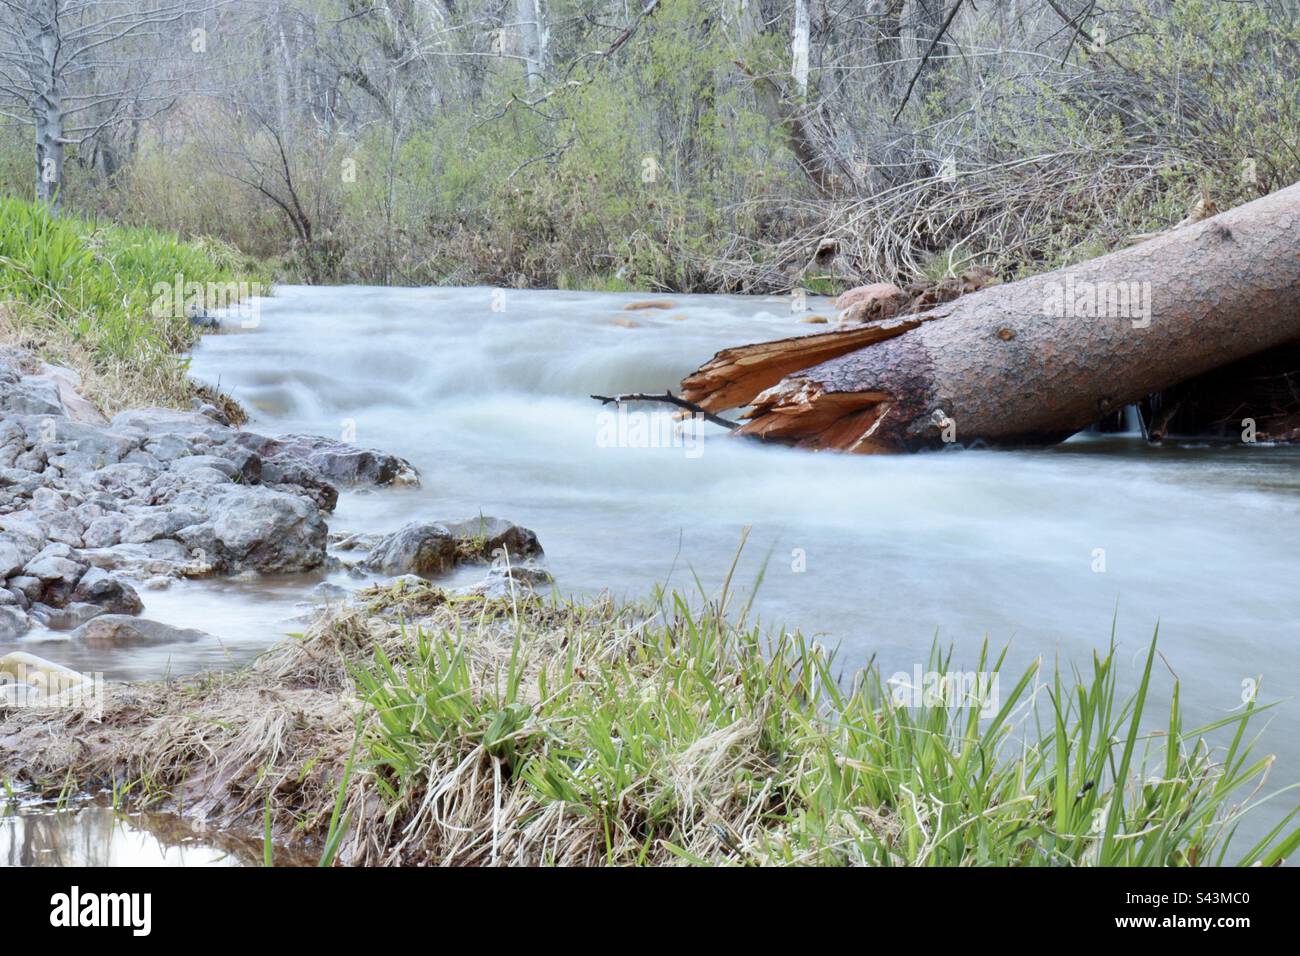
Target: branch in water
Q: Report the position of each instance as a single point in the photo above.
(668, 398)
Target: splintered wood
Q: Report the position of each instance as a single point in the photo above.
(733, 377)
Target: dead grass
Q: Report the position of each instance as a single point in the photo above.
(530, 731)
(111, 385)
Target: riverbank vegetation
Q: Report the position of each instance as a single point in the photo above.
(426, 728)
(690, 145)
(86, 294)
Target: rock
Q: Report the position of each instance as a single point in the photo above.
(116, 630)
(880, 300)
(46, 676)
(67, 382)
(99, 445)
(334, 460)
(63, 527)
(15, 552)
(189, 463)
(361, 541)
(259, 529)
(150, 524)
(25, 588)
(105, 531)
(154, 423)
(30, 396)
(164, 556)
(58, 576)
(488, 539)
(421, 547)
(429, 548)
(13, 623)
(121, 479)
(291, 474)
(47, 499)
(503, 582)
(863, 293)
(169, 447)
(330, 592)
(65, 618)
(110, 593)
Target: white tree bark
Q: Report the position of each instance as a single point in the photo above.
(799, 44)
(72, 68)
(533, 35)
(47, 106)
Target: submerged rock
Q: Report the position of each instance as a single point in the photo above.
(13, 623)
(429, 548)
(64, 618)
(118, 630)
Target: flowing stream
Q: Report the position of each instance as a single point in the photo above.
(486, 392)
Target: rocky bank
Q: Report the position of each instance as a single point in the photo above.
(93, 512)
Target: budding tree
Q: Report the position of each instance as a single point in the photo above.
(70, 69)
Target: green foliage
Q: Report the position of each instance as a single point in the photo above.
(73, 283)
(665, 167)
(690, 737)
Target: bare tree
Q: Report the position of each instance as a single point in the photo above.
(71, 68)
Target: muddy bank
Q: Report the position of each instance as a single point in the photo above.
(221, 747)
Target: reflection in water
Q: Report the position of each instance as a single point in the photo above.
(94, 834)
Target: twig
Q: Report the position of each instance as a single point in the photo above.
(668, 398)
(925, 59)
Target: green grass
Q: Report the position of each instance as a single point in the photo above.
(685, 738)
(84, 294)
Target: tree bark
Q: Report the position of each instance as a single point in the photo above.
(48, 107)
(1030, 362)
(799, 44)
(530, 30)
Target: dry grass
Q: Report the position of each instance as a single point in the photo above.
(527, 731)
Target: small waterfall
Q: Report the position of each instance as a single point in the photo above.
(1134, 424)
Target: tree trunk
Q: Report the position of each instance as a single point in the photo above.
(1033, 361)
(529, 13)
(799, 42)
(48, 107)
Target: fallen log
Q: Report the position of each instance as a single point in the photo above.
(1029, 362)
